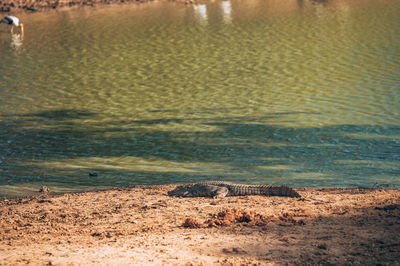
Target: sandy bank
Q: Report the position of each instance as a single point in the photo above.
(9, 6)
(143, 225)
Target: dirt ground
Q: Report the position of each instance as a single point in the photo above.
(143, 225)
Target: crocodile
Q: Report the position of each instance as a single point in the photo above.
(220, 189)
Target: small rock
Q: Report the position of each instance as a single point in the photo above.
(238, 250)
(234, 250)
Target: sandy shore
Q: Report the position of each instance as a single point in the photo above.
(143, 225)
(9, 6)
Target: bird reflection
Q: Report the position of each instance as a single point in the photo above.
(201, 11)
(227, 9)
(16, 41)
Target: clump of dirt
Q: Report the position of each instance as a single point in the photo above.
(192, 223)
(235, 217)
(230, 217)
(294, 217)
(288, 218)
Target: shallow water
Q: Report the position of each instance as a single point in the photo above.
(303, 93)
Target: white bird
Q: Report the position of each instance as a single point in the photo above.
(14, 22)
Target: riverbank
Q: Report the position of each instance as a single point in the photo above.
(143, 225)
(9, 6)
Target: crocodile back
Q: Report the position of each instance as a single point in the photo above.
(243, 190)
(240, 190)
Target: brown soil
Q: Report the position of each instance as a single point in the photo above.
(43, 5)
(142, 225)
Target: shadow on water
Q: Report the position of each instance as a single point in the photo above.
(61, 114)
(341, 155)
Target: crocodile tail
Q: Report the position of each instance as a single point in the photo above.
(288, 192)
(243, 190)
(282, 191)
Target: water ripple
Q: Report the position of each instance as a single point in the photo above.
(273, 92)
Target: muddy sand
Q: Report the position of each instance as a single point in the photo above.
(143, 225)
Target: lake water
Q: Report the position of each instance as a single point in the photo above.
(303, 93)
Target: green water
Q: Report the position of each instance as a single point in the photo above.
(303, 93)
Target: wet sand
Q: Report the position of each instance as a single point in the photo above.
(143, 225)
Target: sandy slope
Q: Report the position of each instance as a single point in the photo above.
(143, 225)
